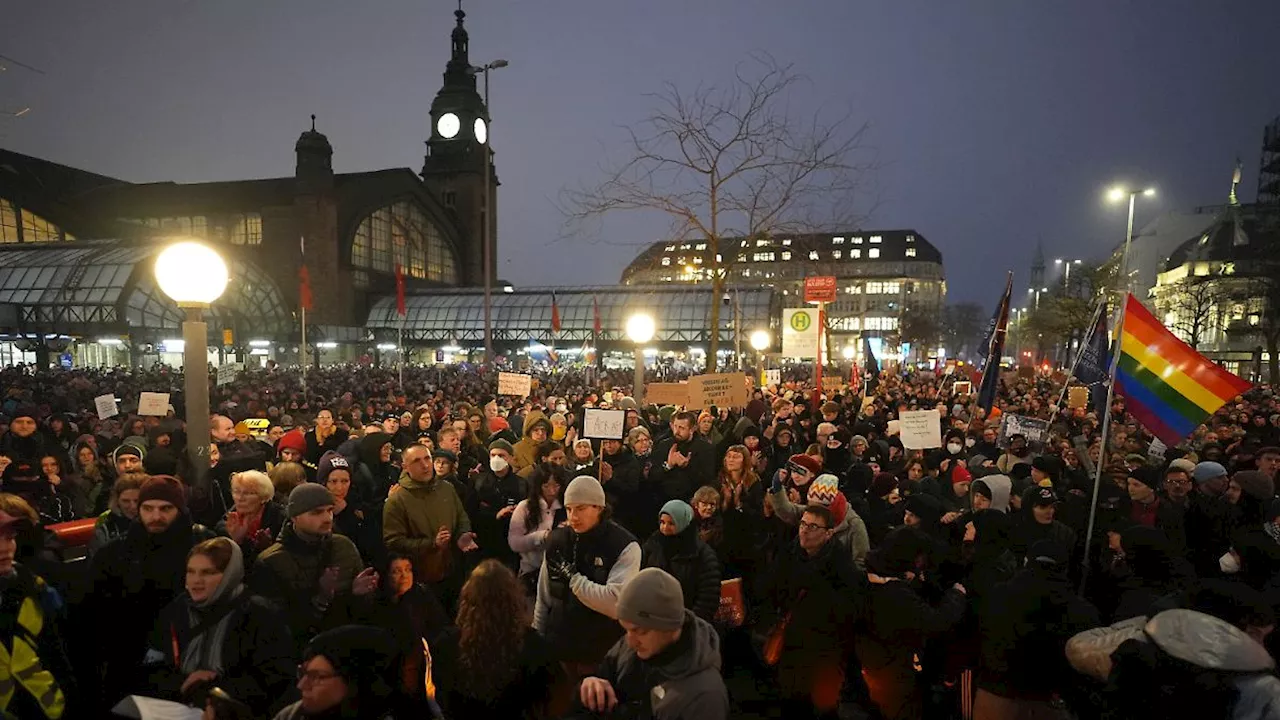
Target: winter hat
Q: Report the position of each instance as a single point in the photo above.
(1182, 464)
(500, 444)
(883, 484)
(292, 440)
(839, 508)
(21, 469)
(680, 512)
(584, 490)
(166, 488)
(128, 449)
(627, 403)
(858, 439)
(1146, 475)
(653, 600)
(329, 462)
(1047, 464)
(161, 461)
(1136, 459)
(960, 474)
(1207, 471)
(808, 462)
(1044, 497)
(307, 497)
(1048, 552)
(823, 489)
(1255, 484)
(449, 455)
(925, 506)
(24, 411)
(364, 656)
(976, 461)
(980, 487)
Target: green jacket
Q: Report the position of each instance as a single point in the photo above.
(288, 574)
(414, 514)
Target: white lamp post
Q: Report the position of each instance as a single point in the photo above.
(640, 329)
(1116, 195)
(194, 275)
(487, 249)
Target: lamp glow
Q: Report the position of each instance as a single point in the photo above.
(1117, 194)
(1149, 192)
(848, 352)
(760, 340)
(640, 328)
(192, 274)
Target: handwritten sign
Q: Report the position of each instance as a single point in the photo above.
(921, 429)
(666, 393)
(963, 388)
(721, 389)
(603, 424)
(1156, 450)
(150, 403)
(514, 384)
(773, 377)
(106, 406)
(227, 373)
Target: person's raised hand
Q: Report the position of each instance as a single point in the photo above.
(597, 695)
(443, 537)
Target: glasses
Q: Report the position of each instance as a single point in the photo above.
(314, 676)
(811, 527)
(1177, 481)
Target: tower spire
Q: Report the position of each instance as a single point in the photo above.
(1235, 181)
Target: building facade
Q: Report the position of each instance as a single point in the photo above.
(880, 274)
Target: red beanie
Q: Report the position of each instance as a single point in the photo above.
(839, 508)
(960, 474)
(292, 440)
(164, 487)
(808, 462)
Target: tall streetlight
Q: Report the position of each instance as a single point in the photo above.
(1067, 277)
(760, 341)
(640, 329)
(194, 275)
(487, 249)
(1118, 194)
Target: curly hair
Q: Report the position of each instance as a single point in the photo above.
(492, 621)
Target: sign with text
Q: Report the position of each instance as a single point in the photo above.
(603, 424)
(820, 289)
(964, 387)
(150, 403)
(773, 377)
(727, 390)
(514, 384)
(227, 373)
(1035, 431)
(666, 393)
(106, 406)
(800, 332)
(920, 429)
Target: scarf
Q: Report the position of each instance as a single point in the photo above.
(210, 619)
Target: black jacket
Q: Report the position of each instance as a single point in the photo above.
(492, 494)
(577, 632)
(527, 695)
(679, 483)
(690, 561)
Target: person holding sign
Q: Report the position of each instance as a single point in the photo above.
(686, 462)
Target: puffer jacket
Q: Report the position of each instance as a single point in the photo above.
(691, 561)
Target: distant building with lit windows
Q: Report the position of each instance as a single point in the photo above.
(879, 273)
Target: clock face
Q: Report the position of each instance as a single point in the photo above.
(481, 130)
(448, 125)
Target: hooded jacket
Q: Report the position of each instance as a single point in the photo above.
(680, 683)
(414, 514)
(690, 561)
(1000, 485)
(525, 451)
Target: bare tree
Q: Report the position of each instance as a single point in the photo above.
(1195, 304)
(733, 162)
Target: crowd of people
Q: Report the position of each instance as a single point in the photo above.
(422, 547)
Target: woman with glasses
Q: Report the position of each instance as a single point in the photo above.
(347, 672)
(255, 520)
(534, 518)
(217, 633)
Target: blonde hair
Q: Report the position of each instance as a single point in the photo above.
(15, 506)
(286, 476)
(257, 480)
(707, 494)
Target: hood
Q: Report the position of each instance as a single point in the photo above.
(371, 448)
(703, 654)
(1208, 642)
(1000, 486)
(229, 586)
(409, 483)
(532, 419)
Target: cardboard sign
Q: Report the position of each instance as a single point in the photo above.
(1078, 396)
(820, 289)
(963, 388)
(106, 406)
(921, 429)
(801, 331)
(1036, 431)
(667, 394)
(514, 384)
(832, 384)
(227, 373)
(773, 377)
(726, 390)
(603, 424)
(150, 403)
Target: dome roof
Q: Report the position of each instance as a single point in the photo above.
(313, 141)
(1238, 234)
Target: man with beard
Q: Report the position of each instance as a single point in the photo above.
(132, 578)
(686, 462)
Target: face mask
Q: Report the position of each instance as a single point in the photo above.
(954, 448)
(497, 463)
(1229, 564)
(969, 442)
(562, 408)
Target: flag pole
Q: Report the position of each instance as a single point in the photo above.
(1084, 345)
(303, 348)
(1102, 446)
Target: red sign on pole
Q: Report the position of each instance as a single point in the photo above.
(820, 289)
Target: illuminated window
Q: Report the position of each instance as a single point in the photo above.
(875, 239)
(873, 253)
(18, 225)
(670, 248)
(401, 234)
(8, 222)
(786, 243)
(786, 254)
(856, 253)
(762, 243)
(742, 257)
(762, 257)
(666, 261)
(857, 241)
(911, 252)
(701, 246)
(813, 254)
(883, 288)
(697, 259)
(837, 241)
(685, 246)
(911, 238)
(246, 230)
(881, 323)
(836, 254)
(853, 289)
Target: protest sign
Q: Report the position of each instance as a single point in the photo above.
(106, 406)
(920, 429)
(773, 377)
(514, 384)
(1078, 397)
(227, 373)
(1156, 450)
(963, 388)
(726, 390)
(603, 424)
(1035, 431)
(666, 393)
(150, 403)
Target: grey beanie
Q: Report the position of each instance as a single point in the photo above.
(653, 600)
(500, 444)
(307, 497)
(584, 490)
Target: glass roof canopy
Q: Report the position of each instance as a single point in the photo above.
(682, 314)
(106, 288)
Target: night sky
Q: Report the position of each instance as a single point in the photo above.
(995, 123)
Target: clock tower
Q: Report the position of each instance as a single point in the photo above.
(455, 166)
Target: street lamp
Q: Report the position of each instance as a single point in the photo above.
(760, 340)
(640, 329)
(194, 275)
(487, 249)
(1117, 194)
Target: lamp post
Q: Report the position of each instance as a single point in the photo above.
(1066, 280)
(194, 275)
(1116, 195)
(760, 341)
(640, 329)
(487, 249)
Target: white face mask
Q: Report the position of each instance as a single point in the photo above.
(954, 448)
(562, 408)
(497, 463)
(969, 442)
(1229, 564)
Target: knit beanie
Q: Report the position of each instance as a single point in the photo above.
(960, 474)
(1207, 471)
(161, 461)
(364, 656)
(584, 490)
(824, 489)
(1182, 464)
(1255, 484)
(680, 512)
(292, 440)
(166, 488)
(925, 506)
(500, 444)
(652, 600)
(330, 461)
(838, 508)
(883, 484)
(808, 462)
(127, 449)
(1146, 475)
(980, 487)
(307, 497)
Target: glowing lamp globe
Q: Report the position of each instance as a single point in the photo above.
(760, 340)
(192, 274)
(640, 328)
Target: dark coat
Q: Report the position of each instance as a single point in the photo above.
(679, 483)
(625, 491)
(527, 695)
(492, 494)
(273, 520)
(824, 595)
(692, 562)
(288, 574)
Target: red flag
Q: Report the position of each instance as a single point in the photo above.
(304, 277)
(401, 310)
(595, 312)
(555, 314)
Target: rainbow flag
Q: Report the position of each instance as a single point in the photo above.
(1169, 387)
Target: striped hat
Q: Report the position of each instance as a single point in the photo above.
(823, 489)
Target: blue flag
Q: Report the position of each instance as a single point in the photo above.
(1094, 366)
(995, 350)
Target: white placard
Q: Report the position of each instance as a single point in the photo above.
(1155, 451)
(800, 332)
(227, 373)
(963, 387)
(514, 384)
(921, 429)
(106, 406)
(150, 403)
(773, 377)
(603, 424)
